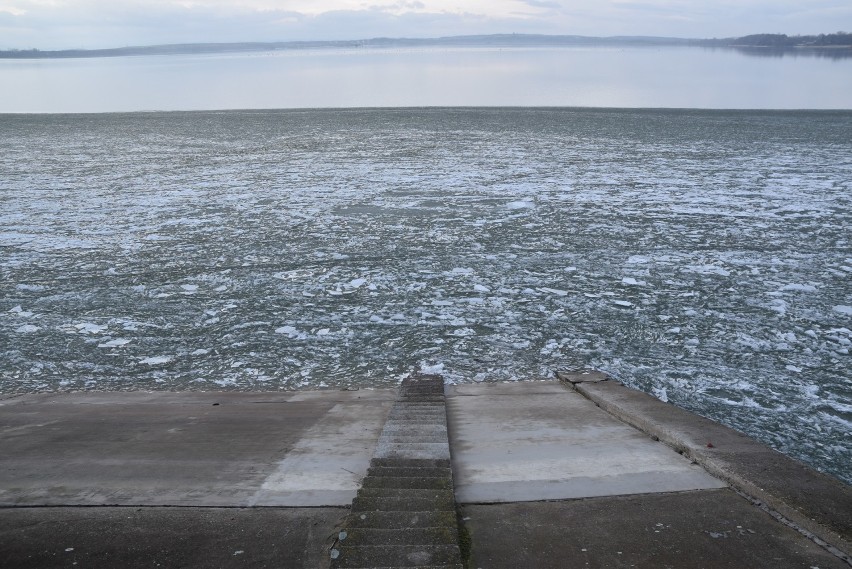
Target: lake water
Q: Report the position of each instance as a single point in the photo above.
(668, 77)
(702, 256)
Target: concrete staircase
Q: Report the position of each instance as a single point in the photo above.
(404, 516)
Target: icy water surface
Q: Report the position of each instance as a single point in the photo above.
(702, 256)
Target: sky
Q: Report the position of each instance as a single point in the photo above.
(67, 24)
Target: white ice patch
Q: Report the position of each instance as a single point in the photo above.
(707, 270)
(463, 332)
(555, 291)
(431, 369)
(461, 271)
(661, 393)
(27, 329)
(629, 281)
(189, 288)
(156, 360)
(117, 343)
(520, 204)
(842, 309)
(20, 312)
(200, 352)
(89, 328)
(291, 331)
(624, 303)
(638, 260)
(481, 288)
(30, 287)
(799, 288)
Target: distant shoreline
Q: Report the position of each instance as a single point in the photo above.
(837, 45)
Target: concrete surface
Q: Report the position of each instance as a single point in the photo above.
(816, 502)
(189, 463)
(527, 441)
(130, 538)
(193, 449)
(706, 529)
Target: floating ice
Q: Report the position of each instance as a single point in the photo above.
(481, 288)
(20, 312)
(629, 281)
(624, 303)
(27, 329)
(431, 369)
(799, 288)
(638, 260)
(189, 288)
(117, 343)
(842, 309)
(555, 291)
(156, 360)
(707, 270)
(520, 204)
(89, 328)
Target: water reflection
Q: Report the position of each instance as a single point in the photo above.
(632, 77)
(779, 52)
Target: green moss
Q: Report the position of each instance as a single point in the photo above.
(465, 542)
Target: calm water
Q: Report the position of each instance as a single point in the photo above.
(594, 77)
(702, 256)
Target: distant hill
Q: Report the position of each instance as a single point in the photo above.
(776, 41)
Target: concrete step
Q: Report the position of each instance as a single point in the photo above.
(437, 494)
(410, 482)
(453, 566)
(406, 536)
(363, 504)
(413, 450)
(395, 462)
(397, 556)
(408, 519)
(422, 472)
(402, 427)
(405, 439)
(402, 413)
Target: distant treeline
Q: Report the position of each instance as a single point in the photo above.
(775, 41)
(839, 39)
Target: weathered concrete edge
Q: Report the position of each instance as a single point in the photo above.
(633, 406)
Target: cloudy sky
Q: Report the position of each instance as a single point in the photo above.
(56, 24)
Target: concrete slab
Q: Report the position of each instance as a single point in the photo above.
(189, 449)
(106, 538)
(696, 530)
(528, 441)
(812, 500)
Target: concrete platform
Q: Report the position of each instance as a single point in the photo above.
(516, 442)
(189, 449)
(705, 529)
(548, 475)
(130, 538)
